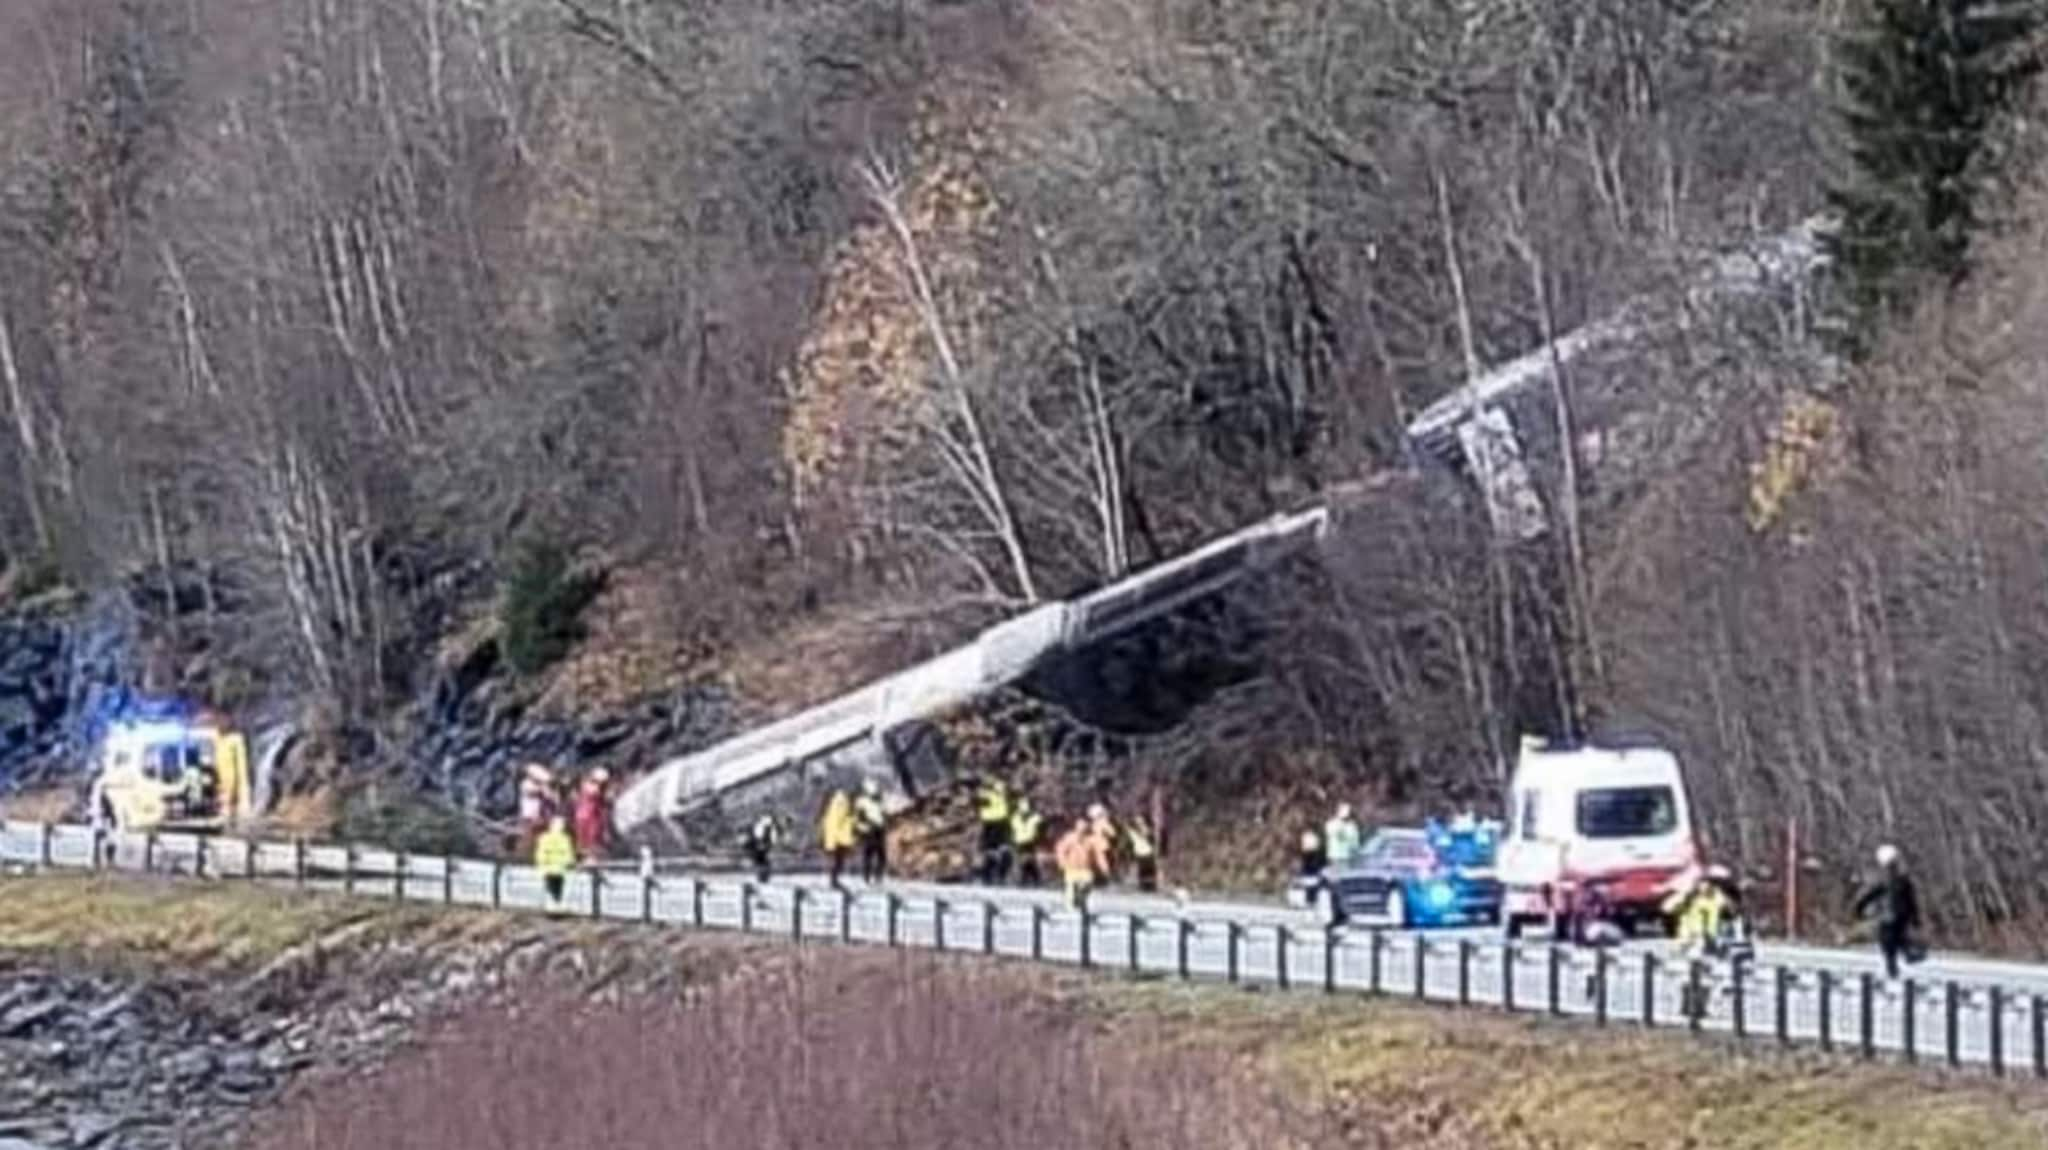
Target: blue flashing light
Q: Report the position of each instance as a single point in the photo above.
(1440, 895)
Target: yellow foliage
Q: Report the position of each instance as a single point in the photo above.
(1795, 450)
(862, 374)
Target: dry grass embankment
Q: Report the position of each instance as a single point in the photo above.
(1437, 1080)
(780, 1046)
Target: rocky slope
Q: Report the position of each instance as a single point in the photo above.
(142, 1016)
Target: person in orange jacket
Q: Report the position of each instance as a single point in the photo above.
(1075, 856)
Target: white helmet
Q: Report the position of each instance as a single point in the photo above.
(1887, 855)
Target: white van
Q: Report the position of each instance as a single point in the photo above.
(1611, 822)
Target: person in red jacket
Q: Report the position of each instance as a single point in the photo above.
(593, 815)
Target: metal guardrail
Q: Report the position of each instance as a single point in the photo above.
(1951, 1022)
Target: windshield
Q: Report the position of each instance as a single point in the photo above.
(1627, 812)
(1399, 850)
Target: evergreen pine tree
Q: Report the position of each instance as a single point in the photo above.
(1922, 81)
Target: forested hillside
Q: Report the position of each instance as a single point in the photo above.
(884, 318)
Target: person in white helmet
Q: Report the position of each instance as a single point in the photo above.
(871, 824)
(1898, 907)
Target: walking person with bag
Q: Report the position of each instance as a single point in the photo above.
(1897, 902)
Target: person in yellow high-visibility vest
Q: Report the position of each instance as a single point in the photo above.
(837, 831)
(553, 854)
(1025, 826)
(232, 786)
(1697, 907)
(993, 807)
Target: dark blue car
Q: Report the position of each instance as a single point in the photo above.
(1432, 876)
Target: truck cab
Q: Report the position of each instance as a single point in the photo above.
(169, 775)
(1593, 832)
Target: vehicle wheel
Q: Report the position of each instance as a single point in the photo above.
(1397, 909)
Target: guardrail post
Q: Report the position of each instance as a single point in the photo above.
(1464, 972)
(1555, 975)
(1827, 1011)
(348, 869)
(1037, 932)
(1909, 1022)
(1952, 1022)
(45, 851)
(1996, 996)
(1421, 971)
(1866, 1014)
(497, 884)
(1781, 992)
(988, 926)
(1087, 929)
(1376, 956)
(796, 914)
(1132, 925)
(1182, 931)
(1507, 975)
(1331, 941)
(398, 876)
(149, 852)
(1649, 989)
(1738, 997)
(1695, 994)
(2037, 1009)
(299, 861)
(1600, 963)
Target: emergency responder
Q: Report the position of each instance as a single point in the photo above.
(1341, 837)
(1311, 861)
(1697, 908)
(1025, 826)
(836, 832)
(1079, 858)
(553, 854)
(536, 804)
(1102, 842)
(992, 806)
(194, 784)
(1312, 858)
(1898, 906)
(1144, 853)
(592, 821)
(762, 838)
(871, 826)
